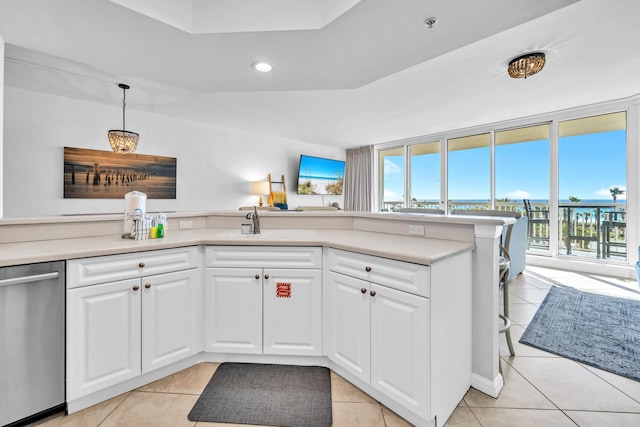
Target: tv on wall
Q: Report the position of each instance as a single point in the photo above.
(317, 175)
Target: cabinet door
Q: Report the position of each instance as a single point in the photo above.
(293, 312)
(233, 316)
(169, 318)
(103, 338)
(400, 363)
(348, 324)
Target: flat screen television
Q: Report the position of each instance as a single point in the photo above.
(317, 175)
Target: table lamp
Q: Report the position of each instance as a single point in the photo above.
(260, 188)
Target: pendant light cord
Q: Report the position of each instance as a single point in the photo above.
(124, 88)
(124, 103)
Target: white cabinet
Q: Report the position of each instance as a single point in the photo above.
(169, 318)
(404, 276)
(233, 314)
(120, 329)
(292, 312)
(400, 342)
(401, 328)
(103, 336)
(380, 334)
(348, 324)
(264, 300)
(90, 271)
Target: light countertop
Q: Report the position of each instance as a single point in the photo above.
(414, 249)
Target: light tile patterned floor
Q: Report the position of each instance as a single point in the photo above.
(541, 389)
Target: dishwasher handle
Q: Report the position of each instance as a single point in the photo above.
(28, 279)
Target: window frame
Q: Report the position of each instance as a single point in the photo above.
(632, 108)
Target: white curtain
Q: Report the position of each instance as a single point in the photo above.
(358, 179)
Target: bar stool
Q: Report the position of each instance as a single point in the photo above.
(503, 284)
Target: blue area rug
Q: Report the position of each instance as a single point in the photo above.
(597, 330)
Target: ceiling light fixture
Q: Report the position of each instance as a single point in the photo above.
(263, 67)
(123, 141)
(430, 22)
(526, 65)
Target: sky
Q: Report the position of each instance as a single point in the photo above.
(589, 165)
(317, 167)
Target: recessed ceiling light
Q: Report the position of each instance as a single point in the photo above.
(263, 67)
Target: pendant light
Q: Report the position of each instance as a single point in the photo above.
(123, 141)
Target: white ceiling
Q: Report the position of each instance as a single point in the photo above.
(372, 74)
(241, 16)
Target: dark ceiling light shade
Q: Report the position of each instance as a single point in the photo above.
(526, 65)
(123, 141)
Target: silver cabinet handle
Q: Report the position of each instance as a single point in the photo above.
(28, 279)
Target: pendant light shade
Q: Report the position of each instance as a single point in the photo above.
(526, 65)
(123, 141)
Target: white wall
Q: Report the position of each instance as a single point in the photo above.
(1, 122)
(214, 165)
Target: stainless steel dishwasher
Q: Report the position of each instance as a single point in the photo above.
(32, 342)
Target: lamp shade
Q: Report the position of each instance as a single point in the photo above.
(123, 141)
(260, 187)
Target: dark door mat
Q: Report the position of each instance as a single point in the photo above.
(275, 395)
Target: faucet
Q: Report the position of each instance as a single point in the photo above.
(256, 220)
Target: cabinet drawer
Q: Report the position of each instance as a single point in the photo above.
(404, 276)
(89, 271)
(264, 257)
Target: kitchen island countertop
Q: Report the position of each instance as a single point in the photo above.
(414, 249)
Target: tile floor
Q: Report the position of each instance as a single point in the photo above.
(541, 389)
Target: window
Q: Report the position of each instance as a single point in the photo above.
(469, 172)
(573, 172)
(425, 175)
(391, 178)
(522, 172)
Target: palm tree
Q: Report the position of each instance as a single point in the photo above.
(574, 199)
(615, 192)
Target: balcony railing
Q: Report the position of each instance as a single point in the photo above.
(453, 205)
(594, 230)
(590, 229)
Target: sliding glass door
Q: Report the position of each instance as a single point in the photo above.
(592, 209)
